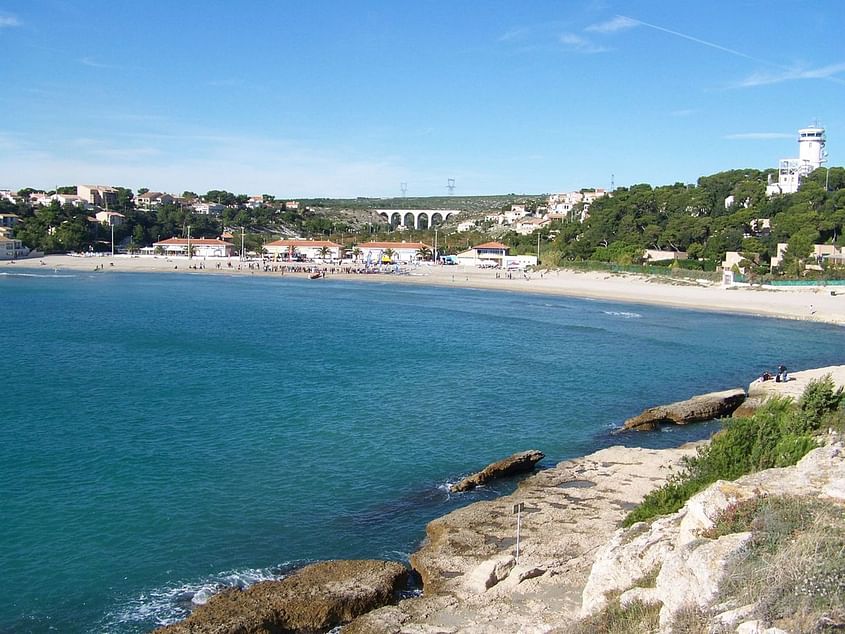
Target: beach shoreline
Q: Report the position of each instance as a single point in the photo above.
(816, 304)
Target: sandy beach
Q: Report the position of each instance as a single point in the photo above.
(808, 303)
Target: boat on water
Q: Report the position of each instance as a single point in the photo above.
(317, 275)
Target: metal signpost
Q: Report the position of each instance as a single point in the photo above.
(517, 509)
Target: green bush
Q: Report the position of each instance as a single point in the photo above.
(779, 434)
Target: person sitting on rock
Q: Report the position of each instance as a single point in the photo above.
(782, 376)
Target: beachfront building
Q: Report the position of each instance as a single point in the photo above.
(415, 218)
(494, 254)
(10, 248)
(304, 249)
(387, 252)
(822, 253)
(201, 247)
(792, 171)
(98, 195)
(658, 255)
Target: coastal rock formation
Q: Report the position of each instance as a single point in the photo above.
(313, 599)
(522, 462)
(570, 510)
(760, 391)
(691, 564)
(694, 410)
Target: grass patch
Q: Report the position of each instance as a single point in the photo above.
(794, 566)
(636, 618)
(779, 434)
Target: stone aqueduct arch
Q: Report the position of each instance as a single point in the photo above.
(415, 218)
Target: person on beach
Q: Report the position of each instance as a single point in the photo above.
(782, 376)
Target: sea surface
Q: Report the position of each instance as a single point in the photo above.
(164, 435)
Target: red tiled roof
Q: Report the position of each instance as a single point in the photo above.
(491, 245)
(393, 245)
(302, 243)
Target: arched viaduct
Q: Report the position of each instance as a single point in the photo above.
(415, 218)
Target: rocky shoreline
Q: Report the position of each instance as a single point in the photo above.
(468, 563)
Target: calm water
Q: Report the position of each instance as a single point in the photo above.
(163, 434)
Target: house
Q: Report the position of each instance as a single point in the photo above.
(382, 252)
(529, 225)
(154, 199)
(307, 249)
(657, 255)
(822, 253)
(110, 218)
(209, 209)
(565, 203)
(201, 247)
(98, 195)
(466, 225)
(734, 259)
(494, 254)
(8, 194)
(9, 220)
(10, 248)
(291, 205)
(489, 252)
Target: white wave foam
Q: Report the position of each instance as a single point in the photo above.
(10, 274)
(622, 313)
(174, 602)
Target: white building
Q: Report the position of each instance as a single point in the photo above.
(110, 218)
(494, 254)
(811, 155)
(565, 203)
(381, 252)
(201, 247)
(209, 209)
(99, 195)
(154, 199)
(530, 224)
(10, 248)
(305, 249)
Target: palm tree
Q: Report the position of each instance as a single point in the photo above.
(356, 253)
(324, 251)
(388, 253)
(424, 253)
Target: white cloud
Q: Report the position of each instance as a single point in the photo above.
(617, 23)
(759, 136)
(579, 44)
(89, 61)
(7, 21)
(828, 72)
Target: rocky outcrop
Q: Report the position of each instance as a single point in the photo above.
(691, 565)
(694, 410)
(313, 599)
(570, 510)
(522, 462)
(760, 391)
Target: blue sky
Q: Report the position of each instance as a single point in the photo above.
(351, 98)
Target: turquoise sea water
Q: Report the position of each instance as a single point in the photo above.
(165, 434)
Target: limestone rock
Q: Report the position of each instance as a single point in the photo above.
(628, 556)
(646, 596)
(488, 573)
(315, 598)
(693, 573)
(696, 409)
(517, 463)
(758, 627)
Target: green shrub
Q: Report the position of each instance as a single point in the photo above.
(779, 434)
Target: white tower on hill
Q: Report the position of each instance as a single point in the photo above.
(811, 155)
(811, 142)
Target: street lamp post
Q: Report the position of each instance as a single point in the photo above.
(435, 244)
(112, 237)
(189, 242)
